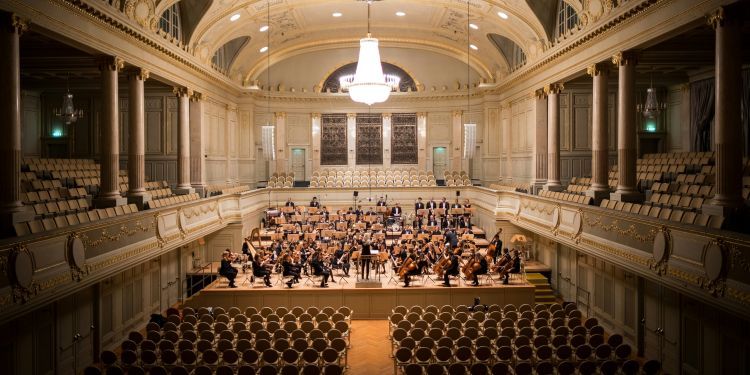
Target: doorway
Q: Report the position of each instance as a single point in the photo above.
(439, 162)
(298, 164)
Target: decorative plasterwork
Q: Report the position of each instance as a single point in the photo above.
(662, 247)
(614, 226)
(125, 231)
(142, 11)
(76, 256)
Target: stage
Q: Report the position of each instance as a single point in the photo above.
(367, 303)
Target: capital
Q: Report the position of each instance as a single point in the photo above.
(182, 91)
(540, 94)
(457, 113)
(351, 115)
(197, 96)
(13, 23)
(597, 69)
(553, 88)
(386, 114)
(111, 63)
(625, 58)
(279, 115)
(138, 73)
(421, 114)
(315, 115)
(716, 18)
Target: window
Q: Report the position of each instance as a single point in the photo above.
(170, 21)
(226, 54)
(219, 60)
(512, 52)
(567, 18)
(518, 59)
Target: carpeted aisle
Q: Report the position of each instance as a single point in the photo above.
(371, 348)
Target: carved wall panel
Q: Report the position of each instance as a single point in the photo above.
(404, 138)
(369, 138)
(333, 139)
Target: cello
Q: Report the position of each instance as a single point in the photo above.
(471, 266)
(407, 266)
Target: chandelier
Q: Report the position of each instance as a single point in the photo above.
(652, 107)
(68, 114)
(369, 85)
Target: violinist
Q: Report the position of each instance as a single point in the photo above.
(290, 269)
(419, 205)
(452, 269)
(431, 205)
(226, 268)
(381, 202)
(314, 202)
(432, 222)
(318, 269)
(444, 204)
(482, 268)
(465, 223)
(289, 202)
(260, 269)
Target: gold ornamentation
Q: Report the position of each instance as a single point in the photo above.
(737, 260)
(540, 94)
(625, 254)
(716, 18)
(597, 69)
(742, 296)
(139, 73)
(684, 276)
(6, 299)
(192, 212)
(124, 231)
(182, 92)
(625, 58)
(111, 63)
(15, 24)
(197, 96)
(716, 288)
(538, 207)
(553, 88)
(107, 263)
(614, 226)
(24, 294)
(142, 11)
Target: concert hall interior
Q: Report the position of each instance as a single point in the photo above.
(374, 186)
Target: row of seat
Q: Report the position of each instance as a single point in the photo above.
(683, 189)
(678, 155)
(164, 202)
(512, 186)
(568, 197)
(62, 221)
(666, 213)
(366, 183)
(411, 172)
(217, 189)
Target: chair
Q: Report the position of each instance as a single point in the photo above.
(651, 367)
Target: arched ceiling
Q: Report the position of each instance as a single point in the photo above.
(304, 26)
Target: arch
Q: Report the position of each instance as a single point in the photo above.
(191, 13)
(332, 81)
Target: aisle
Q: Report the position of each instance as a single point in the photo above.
(371, 349)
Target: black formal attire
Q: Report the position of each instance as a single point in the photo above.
(418, 206)
(452, 270)
(450, 237)
(340, 262)
(290, 269)
(481, 271)
(508, 259)
(228, 271)
(319, 270)
(431, 205)
(314, 204)
(416, 271)
(498, 247)
(444, 205)
(465, 223)
(365, 261)
(260, 271)
(380, 203)
(396, 211)
(289, 204)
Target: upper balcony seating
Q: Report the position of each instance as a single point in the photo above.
(282, 180)
(512, 186)
(231, 188)
(457, 178)
(376, 178)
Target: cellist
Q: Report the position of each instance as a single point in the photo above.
(413, 268)
(482, 268)
(452, 269)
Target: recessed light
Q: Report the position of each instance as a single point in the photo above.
(264, 28)
(400, 13)
(473, 47)
(503, 15)
(474, 26)
(337, 14)
(264, 49)
(234, 17)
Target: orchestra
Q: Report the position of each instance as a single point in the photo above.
(312, 240)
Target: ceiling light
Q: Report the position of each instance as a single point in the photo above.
(474, 26)
(264, 28)
(234, 17)
(503, 15)
(473, 47)
(337, 14)
(400, 13)
(264, 49)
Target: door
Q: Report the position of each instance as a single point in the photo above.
(170, 279)
(439, 162)
(75, 332)
(566, 272)
(660, 322)
(298, 164)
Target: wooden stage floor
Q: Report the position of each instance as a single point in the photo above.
(374, 302)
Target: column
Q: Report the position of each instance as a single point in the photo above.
(315, 117)
(422, 142)
(627, 191)
(540, 144)
(197, 144)
(136, 138)
(727, 131)
(457, 154)
(183, 141)
(281, 161)
(386, 140)
(11, 209)
(351, 139)
(600, 148)
(109, 189)
(553, 136)
(505, 115)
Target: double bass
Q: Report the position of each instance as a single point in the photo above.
(407, 266)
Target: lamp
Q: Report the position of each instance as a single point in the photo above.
(67, 113)
(652, 107)
(369, 85)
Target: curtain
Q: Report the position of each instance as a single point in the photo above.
(701, 113)
(746, 111)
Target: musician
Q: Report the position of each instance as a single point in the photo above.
(365, 260)
(381, 202)
(260, 270)
(482, 268)
(314, 202)
(467, 205)
(452, 269)
(226, 268)
(407, 230)
(319, 269)
(506, 255)
(432, 222)
(396, 211)
(451, 237)
(341, 259)
(324, 214)
(456, 205)
(431, 205)
(246, 247)
(465, 222)
(290, 269)
(289, 202)
(419, 205)
(444, 204)
(419, 263)
(498, 244)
